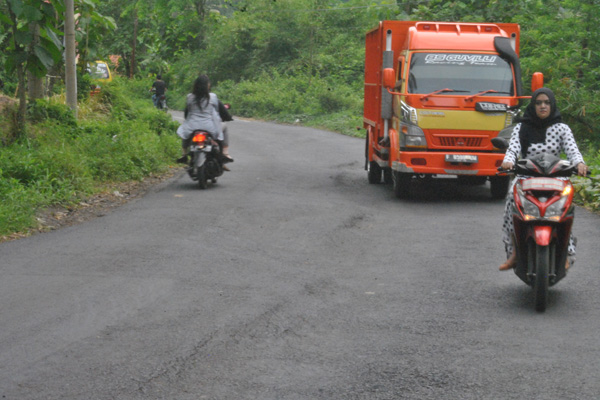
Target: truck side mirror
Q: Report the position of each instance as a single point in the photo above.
(389, 78)
(537, 81)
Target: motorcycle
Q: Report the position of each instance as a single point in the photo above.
(160, 102)
(206, 161)
(543, 216)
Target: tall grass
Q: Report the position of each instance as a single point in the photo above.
(118, 137)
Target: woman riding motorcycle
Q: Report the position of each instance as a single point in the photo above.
(541, 130)
(201, 113)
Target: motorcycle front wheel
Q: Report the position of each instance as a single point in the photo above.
(540, 284)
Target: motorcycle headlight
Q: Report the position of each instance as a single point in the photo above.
(556, 209)
(528, 209)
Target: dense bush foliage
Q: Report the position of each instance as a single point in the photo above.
(262, 44)
(61, 161)
(299, 99)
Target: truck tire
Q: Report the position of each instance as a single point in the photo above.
(373, 169)
(499, 186)
(374, 172)
(387, 176)
(401, 184)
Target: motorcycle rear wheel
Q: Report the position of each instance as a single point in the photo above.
(202, 179)
(540, 284)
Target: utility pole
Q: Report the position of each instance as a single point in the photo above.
(70, 68)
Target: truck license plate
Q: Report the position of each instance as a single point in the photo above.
(461, 158)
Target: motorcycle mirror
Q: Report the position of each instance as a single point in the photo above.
(500, 143)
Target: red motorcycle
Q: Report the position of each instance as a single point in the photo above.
(543, 215)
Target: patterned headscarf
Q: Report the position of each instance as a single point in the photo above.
(533, 128)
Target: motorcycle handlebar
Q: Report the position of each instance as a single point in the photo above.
(502, 171)
(505, 171)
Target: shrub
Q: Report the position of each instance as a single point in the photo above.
(42, 110)
(62, 161)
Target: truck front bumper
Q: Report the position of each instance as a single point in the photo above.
(448, 163)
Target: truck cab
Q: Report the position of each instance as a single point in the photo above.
(436, 93)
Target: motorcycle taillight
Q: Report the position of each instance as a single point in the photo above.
(199, 138)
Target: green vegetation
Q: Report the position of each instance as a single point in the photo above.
(588, 190)
(61, 161)
(285, 60)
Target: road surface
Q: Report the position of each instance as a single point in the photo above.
(293, 278)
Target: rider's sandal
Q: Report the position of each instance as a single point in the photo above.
(510, 263)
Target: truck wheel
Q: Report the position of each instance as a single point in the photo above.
(401, 184)
(387, 176)
(499, 186)
(374, 172)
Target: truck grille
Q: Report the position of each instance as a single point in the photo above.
(453, 141)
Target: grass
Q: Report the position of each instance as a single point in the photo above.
(61, 161)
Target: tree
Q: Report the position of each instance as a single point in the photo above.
(30, 50)
(33, 42)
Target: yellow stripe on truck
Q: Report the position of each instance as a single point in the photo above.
(450, 119)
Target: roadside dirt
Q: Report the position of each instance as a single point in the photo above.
(94, 206)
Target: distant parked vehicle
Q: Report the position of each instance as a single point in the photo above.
(100, 73)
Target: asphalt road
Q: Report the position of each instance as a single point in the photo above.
(293, 278)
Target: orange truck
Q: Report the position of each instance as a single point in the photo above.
(435, 95)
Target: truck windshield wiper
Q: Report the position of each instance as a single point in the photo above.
(424, 97)
(484, 92)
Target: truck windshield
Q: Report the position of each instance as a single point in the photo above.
(468, 73)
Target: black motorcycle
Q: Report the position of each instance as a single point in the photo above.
(160, 101)
(206, 160)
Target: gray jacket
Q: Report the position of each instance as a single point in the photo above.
(205, 118)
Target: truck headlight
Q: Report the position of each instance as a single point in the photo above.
(510, 117)
(412, 136)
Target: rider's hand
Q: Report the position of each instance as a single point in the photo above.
(507, 165)
(582, 169)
